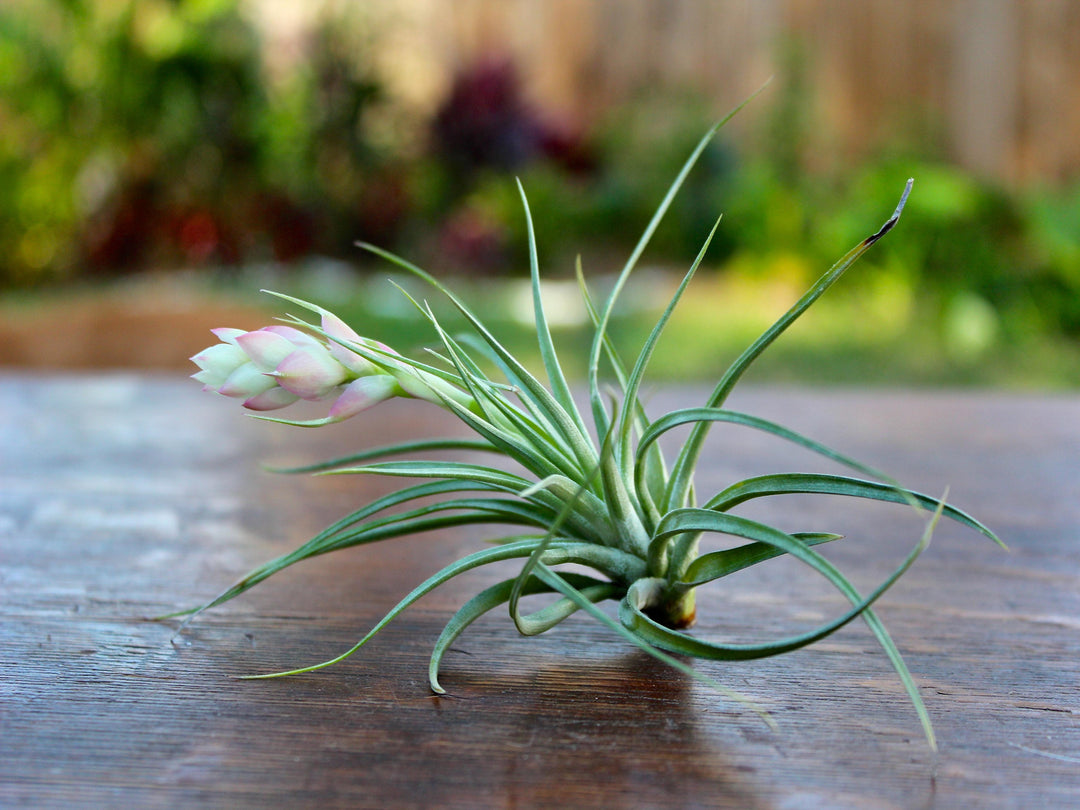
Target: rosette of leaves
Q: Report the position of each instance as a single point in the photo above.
(596, 490)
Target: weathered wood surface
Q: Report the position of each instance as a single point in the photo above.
(124, 497)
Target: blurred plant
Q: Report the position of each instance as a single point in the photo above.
(638, 148)
(319, 150)
(485, 122)
(136, 122)
(1000, 264)
(146, 132)
(143, 133)
(482, 134)
(1051, 225)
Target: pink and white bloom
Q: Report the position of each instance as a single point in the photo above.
(278, 365)
(271, 368)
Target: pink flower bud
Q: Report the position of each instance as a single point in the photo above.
(310, 372)
(217, 363)
(265, 348)
(277, 365)
(271, 400)
(226, 335)
(247, 381)
(364, 393)
(337, 329)
(293, 335)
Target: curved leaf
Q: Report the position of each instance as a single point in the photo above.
(695, 520)
(718, 564)
(557, 553)
(695, 416)
(600, 334)
(638, 595)
(682, 471)
(486, 601)
(398, 526)
(524, 575)
(590, 518)
(558, 583)
(853, 596)
(390, 450)
(530, 386)
(822, 484)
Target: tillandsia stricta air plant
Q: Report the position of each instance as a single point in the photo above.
(588, 487)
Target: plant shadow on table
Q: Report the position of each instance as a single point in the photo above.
(564, 722)
(627, 720)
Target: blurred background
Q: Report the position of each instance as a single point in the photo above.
(162, 160)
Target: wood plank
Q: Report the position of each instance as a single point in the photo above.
(124, 496)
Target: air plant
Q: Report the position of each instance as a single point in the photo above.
(596, 493)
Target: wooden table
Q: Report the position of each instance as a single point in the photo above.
(123, 497)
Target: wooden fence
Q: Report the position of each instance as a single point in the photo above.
(996, 81)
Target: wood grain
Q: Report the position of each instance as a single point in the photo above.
(122, 497)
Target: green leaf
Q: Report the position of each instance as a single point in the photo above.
(595, 590)
(477, 445)
(814, 483)
(630, 404)
(556, 378)
(692, 520)
(593, 511)
(328, 539)
(682, 472)
(403, 525)
(460, 470)
(640, 596)
(697, 520)
(506, 427)
(718, 564)
(698, 416)
(558, 553)
(410, 493)
(600, 335)
(565, 514)
(625, 510)
(652, 472)
(531, 387)
(516, 385)
(532, 420)
(467, 563)
(491, 598)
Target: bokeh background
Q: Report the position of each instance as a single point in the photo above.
(163, 160)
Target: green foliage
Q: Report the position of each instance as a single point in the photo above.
(599, 212)
(974, 250)
(594, 489)
(108, 102)
(148, 132)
